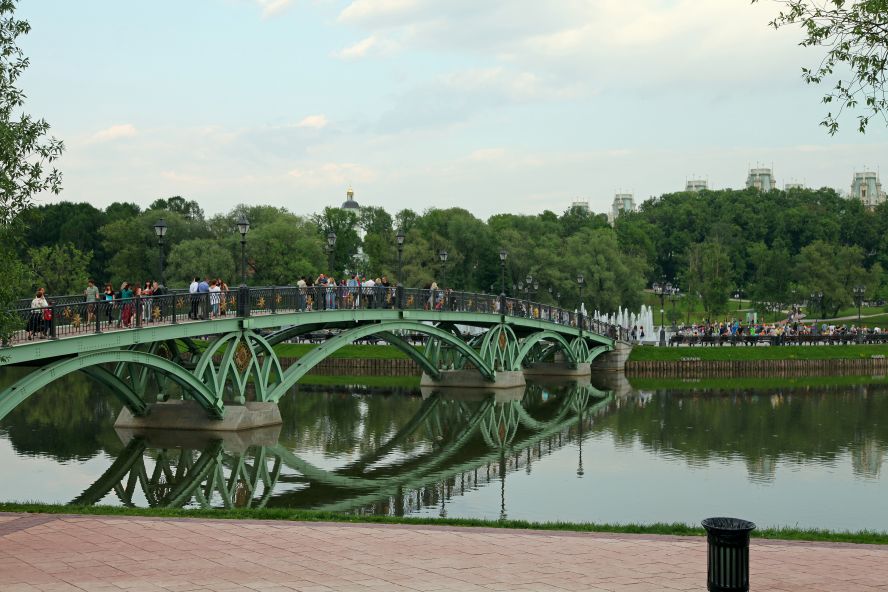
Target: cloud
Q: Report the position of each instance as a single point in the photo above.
(332, 174)
(314, 122)
(271, 8)
(115, 132)
(372, 45)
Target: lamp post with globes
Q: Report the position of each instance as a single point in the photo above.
(818, 298)
(859, 291)
(160, 228)
(243, 298)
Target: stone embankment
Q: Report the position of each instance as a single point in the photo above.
(694, 367)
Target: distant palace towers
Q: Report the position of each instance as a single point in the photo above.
(865, 187)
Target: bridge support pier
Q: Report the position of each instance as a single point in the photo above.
(558, 369)
(472, 379)
(613, 361)
(188, 415)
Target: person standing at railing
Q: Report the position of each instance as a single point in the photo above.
(203, 293)
(37, 321)
(215, 292)
(126, 301)
(192, 290)
(91, 295)
(223, 296)
(300, 296)
(108, 298)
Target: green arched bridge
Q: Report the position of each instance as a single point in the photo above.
(145, 345)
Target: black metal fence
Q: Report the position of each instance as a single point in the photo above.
(73, 315)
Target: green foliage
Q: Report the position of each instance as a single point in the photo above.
(24, 149)
(855, 37)
(59, 269)
(343, 223)
(199, 257)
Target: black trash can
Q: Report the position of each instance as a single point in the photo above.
(728, 566)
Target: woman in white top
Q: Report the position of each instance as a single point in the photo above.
(36, 322)
(215, 293)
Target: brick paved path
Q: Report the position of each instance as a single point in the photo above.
(39, 552)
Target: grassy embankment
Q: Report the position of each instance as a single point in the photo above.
(675, 529)
(730, 353)
(752, 382)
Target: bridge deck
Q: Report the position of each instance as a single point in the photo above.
(72, 327)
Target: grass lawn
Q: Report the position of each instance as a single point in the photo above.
(354, 352)
(761, 352)
(747, 382)
(675, 529)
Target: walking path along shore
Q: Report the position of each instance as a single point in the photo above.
(41, 552)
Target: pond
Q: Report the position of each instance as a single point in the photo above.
(780, 452)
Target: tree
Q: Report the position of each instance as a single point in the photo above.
(343, 223)
(833, 270)
(60, 269)
(710, 275)
(200, 257)
(855, 36)
(25, 153)
(189, 209)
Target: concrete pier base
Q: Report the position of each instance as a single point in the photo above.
(563, 369)
(613, 361)
(473, 379)
(502, 395)
(237, 442)
(188, 415)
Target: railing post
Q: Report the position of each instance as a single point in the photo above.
(243, 301)
(138, 311)
(52, 322)
(502, 303)
(98, 308)
(274, 293)
(172, 298)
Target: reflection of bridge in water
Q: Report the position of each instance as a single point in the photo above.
(470, 442)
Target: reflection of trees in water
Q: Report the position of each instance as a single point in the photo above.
(70, 418)
(777, 425)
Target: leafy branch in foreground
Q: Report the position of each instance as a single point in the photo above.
(855, 36)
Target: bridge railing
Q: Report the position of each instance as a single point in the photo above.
(67, 317)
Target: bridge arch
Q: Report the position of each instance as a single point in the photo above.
(545, 335)
(385, 331)
(13, 395)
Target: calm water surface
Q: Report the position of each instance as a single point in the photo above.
(808, 456)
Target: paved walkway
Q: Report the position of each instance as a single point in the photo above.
(42, 552)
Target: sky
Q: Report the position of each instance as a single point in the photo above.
(495, 106)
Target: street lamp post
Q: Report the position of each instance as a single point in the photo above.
(442, 255)
(859, 291)
(243, 297)
(399, 291)
(503, 254)
(331, 247)
(662, 290)
(581, 282)
(160, 228)
(676, 293)
(816, 297)
(739, 296)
